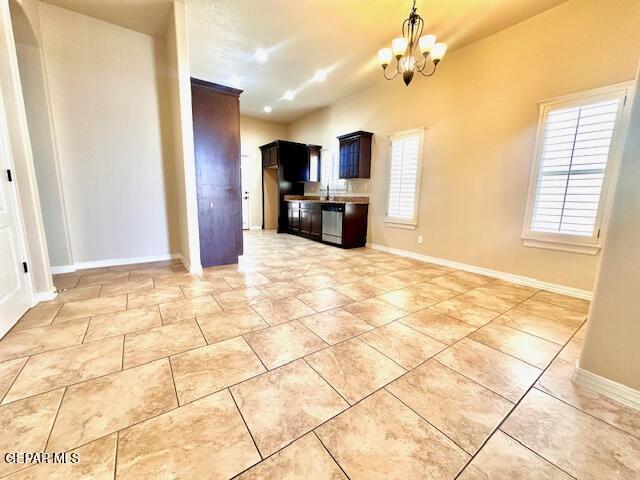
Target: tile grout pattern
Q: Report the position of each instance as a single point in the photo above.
(349, 289)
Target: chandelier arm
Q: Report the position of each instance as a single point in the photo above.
(392, 77)
(435, 67)
(421, 66)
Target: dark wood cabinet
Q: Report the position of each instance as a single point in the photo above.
(355, 155)
(216, 136)
(305, 220)
(291, 157)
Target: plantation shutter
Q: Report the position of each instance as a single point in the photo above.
(403, 176)
(574, 156)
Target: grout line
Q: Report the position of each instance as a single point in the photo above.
(325, 380)
(14, 380)
(246, 426)
(115, 459)
(55, 418)
(173, 381)
(330, 454)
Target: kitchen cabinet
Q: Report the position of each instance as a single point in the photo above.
(305, 220)
(290, 157)
(216, 138)
(355, 155)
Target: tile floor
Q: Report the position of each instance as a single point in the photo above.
(306, 361)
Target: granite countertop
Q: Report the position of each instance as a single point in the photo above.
(333, 199)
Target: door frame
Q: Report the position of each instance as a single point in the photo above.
(246, 159)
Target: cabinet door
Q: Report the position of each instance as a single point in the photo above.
(294, 218)
(315, 229)
(349, 159)
(305, 221)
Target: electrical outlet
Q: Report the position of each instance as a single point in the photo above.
(419, 239)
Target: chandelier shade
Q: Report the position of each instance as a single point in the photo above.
(413, 51)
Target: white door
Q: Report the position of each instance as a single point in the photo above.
(14, 290)
(245, 175)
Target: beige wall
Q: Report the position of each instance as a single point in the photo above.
(611, 344)
(480, 113)
(111, 107)
(254, 133)
(36, 107)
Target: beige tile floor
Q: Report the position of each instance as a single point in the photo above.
(306, 361)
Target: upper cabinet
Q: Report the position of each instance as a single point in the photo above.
(355, 155)
(290, 158)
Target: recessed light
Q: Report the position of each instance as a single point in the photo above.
(261, 55)
(320, 75)
(289, 95)
(267, 109)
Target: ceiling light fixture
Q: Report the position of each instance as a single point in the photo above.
(320, 75)
(261, 55)
(289, 95)
(411, 50)
(267, 109)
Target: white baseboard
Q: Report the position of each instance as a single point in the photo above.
(509, 277)
(617, 391)
(112, 262)
(44, 296)
(255, 227)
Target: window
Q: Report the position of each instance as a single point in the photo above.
(405, 158)
(576, 149)
(329, 168)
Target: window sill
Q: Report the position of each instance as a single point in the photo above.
(559, 246)
(405, 226)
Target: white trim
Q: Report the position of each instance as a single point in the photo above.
(399, 222)
(509, 277)
(255, 227)
(195, 269)
(561, 246)
(113, 262)
(44, 296)
(573, 243)
(617, 391)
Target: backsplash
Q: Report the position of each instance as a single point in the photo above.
(354, 187)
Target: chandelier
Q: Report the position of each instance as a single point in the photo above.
(405, 50)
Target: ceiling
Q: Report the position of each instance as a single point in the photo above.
(302, 36)
(343, 36)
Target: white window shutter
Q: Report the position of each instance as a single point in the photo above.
(405, 155)
(576, 147)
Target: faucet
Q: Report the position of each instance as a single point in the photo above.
(328, 195)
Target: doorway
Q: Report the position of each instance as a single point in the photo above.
(245, 181)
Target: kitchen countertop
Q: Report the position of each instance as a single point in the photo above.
(341, 199)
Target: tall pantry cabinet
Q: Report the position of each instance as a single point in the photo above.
(216, 135)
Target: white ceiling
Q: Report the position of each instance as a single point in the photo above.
(344, 36)
(302, 36)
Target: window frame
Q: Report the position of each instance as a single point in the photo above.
(334, 158)
(577, 243)
(400, 222)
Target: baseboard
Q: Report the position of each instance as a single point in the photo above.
(112, 262)
(509, 277)
(255, 227)
(44, 296)
(617, 391)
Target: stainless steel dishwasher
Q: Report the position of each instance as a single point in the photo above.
(332, 223)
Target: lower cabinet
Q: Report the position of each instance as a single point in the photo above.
(305, 220)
